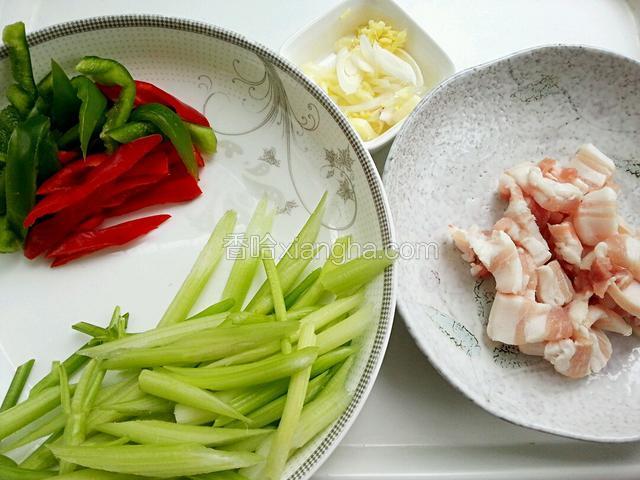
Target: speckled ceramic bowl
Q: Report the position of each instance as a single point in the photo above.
(444, 167)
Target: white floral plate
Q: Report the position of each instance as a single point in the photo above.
(278, 134)
(443, 168)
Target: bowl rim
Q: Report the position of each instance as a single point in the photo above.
(403, 308)
(382, 140)
(340, 427)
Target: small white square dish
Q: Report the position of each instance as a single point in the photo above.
(316, 42)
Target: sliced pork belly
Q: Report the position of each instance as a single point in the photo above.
(535, 349)
(567, 244)
(600, 270)
(520, 224)
(578, 357)
(626, 293)
(603, 318)
(624, 252)
(554, 286)
(552, 195)
(498, 254)
(593, 166)
(519, 320)
(596, 218)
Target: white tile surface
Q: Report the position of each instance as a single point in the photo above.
(415, 426)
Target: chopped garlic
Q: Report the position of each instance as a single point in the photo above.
(371, 77)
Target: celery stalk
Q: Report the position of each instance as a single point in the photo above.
(167, 433)
(124, 391)
(187, 415)
(104, 440)
(318, 415)
(263, 371)
(345, 330)
(167, 387)
(336, 257)
(351, 276)
(276, 297)
(23, 413)
(219, 307)
(72, 364)
(272, 411)
(89, 474)
(281, 445)
(225, 475)
(249, 399)
(77, 411)
(17, 385)
(255, 399)
(45, 425)
(156, 337)
(89, 329)
(16, 473)
(42, 458)
(243, 318)
(225, 342)
(162, 461)
(200, 273)
(330, 312)
(255, 354)
(302, 287)
(292, 264)
(121, 391)
(144, 406)
(319, 318)
(329, 359)
(245, 266)
(325, 408)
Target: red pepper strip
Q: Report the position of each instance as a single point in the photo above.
(125, 187)
(65, 156)
(91, 223)
(72, 174)
(198, 156)
(148, 93)
(84, 243)
(49, 233)
(175, 189)
(154, 164)
(112, 92)
(124, 159)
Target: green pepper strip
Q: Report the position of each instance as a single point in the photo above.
(9, 118)
(93, 106)
(64, 102)
(23, 93)
(132, 131)
(203, 137)
(172, 127)
(21, 171)
(69, 137)
(45, 86)
(109, 72)
(9, 242)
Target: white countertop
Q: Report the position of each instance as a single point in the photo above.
(415, 425)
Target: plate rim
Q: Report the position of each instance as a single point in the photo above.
(364, 386)
(402, 306)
